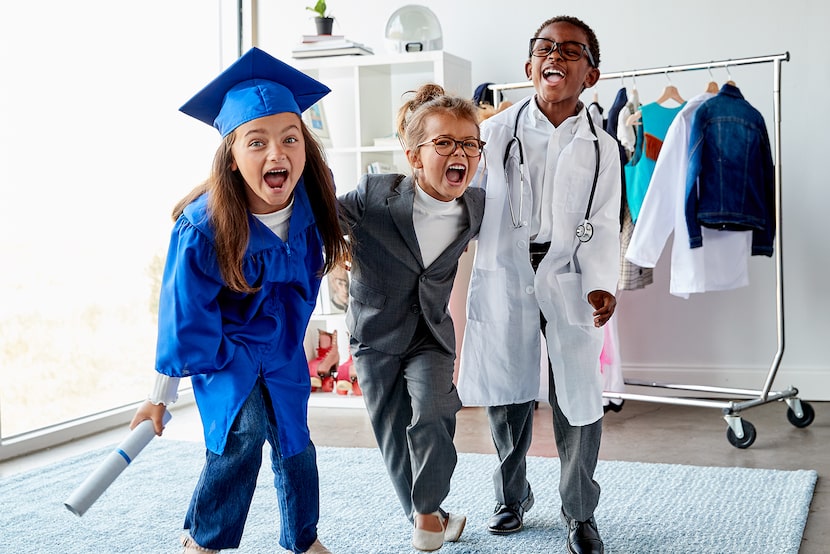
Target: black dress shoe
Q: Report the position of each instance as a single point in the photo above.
(611, 407)
(583, 536)
(508, 518)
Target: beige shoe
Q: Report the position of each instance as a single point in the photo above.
(455, 526)
(318, 548)
(192, 547)
(427, 541)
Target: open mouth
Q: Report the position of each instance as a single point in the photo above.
(455, 173)
(552, 76)
(276, 178)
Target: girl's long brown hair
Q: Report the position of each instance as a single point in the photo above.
(228, 210)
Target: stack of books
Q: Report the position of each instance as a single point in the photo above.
(319, 46)
(380, 167)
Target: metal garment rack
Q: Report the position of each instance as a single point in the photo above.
(740, 433)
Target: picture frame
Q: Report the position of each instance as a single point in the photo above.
(333, 297)
(315, 119)
(337, 289)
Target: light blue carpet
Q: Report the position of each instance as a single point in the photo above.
(645, 508)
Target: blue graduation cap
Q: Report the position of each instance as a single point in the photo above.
(256, 85)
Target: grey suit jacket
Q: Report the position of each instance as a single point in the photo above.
(390, 288)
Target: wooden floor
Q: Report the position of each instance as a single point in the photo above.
(642, 431)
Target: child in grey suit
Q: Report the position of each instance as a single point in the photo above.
(407, 234)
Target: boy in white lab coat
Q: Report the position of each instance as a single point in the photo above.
(549, 243)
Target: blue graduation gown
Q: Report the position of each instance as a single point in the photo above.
(225, 341)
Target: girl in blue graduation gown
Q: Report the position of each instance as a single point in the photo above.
(241, 279)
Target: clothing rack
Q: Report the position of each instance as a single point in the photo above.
(740, 433)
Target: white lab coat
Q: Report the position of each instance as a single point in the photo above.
(501, 349)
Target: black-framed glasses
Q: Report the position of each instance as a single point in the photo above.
(446, 146)
(569, 49)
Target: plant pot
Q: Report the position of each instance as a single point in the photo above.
(324, 25)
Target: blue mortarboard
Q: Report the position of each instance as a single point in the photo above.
(255, 85)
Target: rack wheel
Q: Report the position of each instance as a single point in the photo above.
(806, 418)
(748, 438)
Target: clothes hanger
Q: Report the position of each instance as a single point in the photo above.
(712, 87)
(634, 104)
(634, 119)
(635, 96)
(729, 76)
(670, 93)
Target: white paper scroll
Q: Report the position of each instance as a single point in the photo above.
(99, 480)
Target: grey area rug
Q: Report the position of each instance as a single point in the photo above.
(645, 508)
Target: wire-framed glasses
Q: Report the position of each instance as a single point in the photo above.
(446, 146)
(569, 49)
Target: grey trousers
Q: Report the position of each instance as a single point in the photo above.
(578, 447)
(412, 404)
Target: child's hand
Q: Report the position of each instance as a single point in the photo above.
(604, 304)
(150, 411)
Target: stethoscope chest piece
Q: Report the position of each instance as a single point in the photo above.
(584, 231)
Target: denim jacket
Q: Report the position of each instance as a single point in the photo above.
(730, 183)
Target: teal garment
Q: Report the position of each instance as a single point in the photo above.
(654, 124)
(227, 341)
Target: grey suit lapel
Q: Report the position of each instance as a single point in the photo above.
(400, 209)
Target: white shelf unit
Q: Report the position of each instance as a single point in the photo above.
(366, 93)
(363, 104)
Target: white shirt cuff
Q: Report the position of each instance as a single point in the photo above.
(165, 390)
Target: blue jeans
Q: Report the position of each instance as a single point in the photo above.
(219, 506)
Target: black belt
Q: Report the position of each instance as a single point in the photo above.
(537, 252)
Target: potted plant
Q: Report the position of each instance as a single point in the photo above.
(324, 21)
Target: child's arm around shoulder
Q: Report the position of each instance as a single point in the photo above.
(372, 188)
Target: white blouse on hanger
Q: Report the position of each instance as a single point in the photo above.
(722, 262)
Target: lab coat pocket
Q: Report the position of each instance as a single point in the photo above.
(578, 188)
(487, 288)
(577, 309)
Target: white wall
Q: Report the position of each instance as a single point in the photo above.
(720, 339)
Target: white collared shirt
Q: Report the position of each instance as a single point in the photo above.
(543, 143)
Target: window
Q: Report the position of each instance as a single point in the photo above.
(93, 156)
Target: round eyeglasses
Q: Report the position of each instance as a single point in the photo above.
(569, 49)
(446, 146)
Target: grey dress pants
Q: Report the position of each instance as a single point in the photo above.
(578, 447)
(412, 405)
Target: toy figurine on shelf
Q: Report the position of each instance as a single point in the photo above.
(347, 378)
(328, 358)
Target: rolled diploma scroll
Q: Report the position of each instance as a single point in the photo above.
(99, 480)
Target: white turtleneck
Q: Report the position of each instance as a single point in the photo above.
(278, 221)
(437, 224)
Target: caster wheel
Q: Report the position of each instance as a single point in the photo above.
(748, 438)
(806, 418)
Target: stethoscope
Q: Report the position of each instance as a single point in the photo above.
(584, 231)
